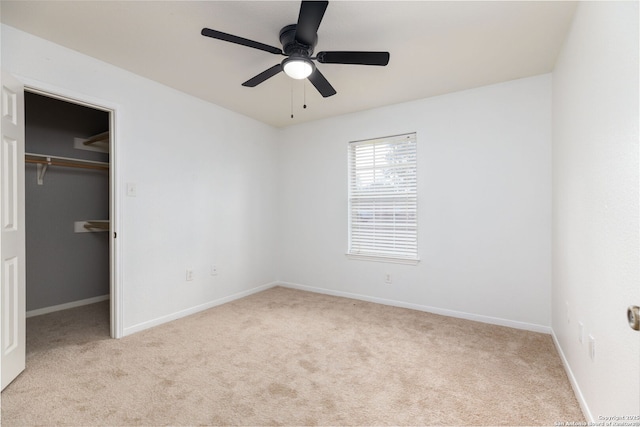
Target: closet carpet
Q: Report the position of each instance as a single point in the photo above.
(288, 357)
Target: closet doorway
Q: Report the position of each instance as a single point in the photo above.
(69, 209)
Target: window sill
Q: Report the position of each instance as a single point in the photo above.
(383, 259)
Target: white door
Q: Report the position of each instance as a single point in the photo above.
(12, 234)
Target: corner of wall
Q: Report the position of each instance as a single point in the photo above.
(596, 215)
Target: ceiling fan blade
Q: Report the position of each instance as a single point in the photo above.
(322, 84)
(311, 13)
(266, 74)
(360, 58)
(239, 40)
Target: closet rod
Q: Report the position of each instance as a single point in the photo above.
(43, 161)
(66, 164)
(64, 161)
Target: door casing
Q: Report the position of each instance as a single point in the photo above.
(115, 282)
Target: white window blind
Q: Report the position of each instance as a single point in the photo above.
(383, 205)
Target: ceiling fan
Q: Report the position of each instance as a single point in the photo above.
(298, 41)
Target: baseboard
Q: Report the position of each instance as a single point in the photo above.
(572, 380)
(444, 312)
(189, 311)
(65, 306)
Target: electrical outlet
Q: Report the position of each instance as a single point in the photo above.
(387, 278)
(580, 332)
(592, 347)
(214, 270)
(189, 274)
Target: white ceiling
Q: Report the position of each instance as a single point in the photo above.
(436, 47)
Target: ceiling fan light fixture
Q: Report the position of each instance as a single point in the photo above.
(298, 68)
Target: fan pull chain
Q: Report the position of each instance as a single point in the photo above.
(292, 99)
(304, 85)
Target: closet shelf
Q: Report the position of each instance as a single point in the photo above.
(90, 226)
(101, 137)
(43, 161)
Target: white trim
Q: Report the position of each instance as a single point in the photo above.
(65, 306)
(441, 311)
(200, 307)
(115, 248)
(52, 91)
(115, 285)
(572, 380)
(388, 259)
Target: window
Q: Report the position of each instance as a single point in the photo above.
(383, 199)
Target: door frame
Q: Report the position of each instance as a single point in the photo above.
(115, 281)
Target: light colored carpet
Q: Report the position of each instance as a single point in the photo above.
(287, 357)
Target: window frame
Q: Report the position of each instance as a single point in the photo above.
(406, 193)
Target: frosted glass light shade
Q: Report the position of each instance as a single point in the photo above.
(298, 68)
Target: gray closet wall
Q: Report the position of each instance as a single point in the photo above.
(64, 266)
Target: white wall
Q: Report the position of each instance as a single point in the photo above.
(206, 183)
(484, 178)
(596, 252)
(212, 188)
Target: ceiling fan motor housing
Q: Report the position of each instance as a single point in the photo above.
(290, 46)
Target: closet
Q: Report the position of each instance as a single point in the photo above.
(66, 204)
